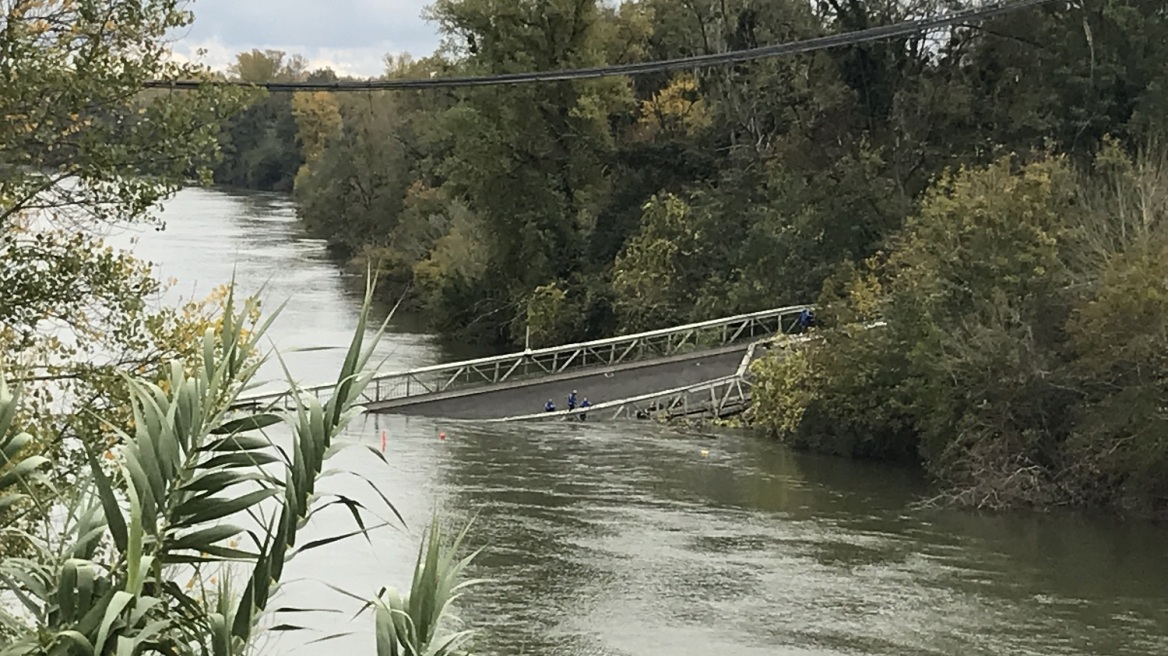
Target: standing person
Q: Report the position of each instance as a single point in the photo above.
(549, 406)
(806, 320)
(572, 400)
(584, 404)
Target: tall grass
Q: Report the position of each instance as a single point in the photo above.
(104, 579)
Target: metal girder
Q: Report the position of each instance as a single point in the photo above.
(485, 372)
(709, 399)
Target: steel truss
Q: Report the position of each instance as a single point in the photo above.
(556, 360)
(720, 397)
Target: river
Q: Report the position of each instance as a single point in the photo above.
(636, 540)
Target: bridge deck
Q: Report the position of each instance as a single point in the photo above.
(598, 385)
(506, 373)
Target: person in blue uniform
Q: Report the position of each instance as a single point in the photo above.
(584, 404)
(572, 400)
(549, 406)
(806, 320)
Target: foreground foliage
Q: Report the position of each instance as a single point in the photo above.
(408, 624)
(197, 490)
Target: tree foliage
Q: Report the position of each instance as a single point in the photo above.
(974, 187)
(1018, 358)
(317, 120)
(83, 149)
(654, 278)
(790, 167)
(78, 131)
(260, 144)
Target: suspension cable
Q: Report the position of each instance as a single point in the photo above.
(699, 61)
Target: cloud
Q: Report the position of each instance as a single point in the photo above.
(350, 36)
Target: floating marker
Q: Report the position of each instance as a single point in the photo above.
(383, 441)
(441, 436)
(705, 452)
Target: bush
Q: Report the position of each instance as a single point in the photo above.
(1119, 334)
(551, 317)
(841, 396)
(1023, 352)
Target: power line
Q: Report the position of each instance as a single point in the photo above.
(700, 61)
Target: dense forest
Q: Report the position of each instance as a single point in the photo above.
(993, 193)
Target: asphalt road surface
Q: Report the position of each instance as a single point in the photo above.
(597, 387)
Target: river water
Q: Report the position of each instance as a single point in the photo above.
(636, 540)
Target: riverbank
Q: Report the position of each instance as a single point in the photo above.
(1022, 359)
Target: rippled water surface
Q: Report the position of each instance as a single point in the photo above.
(628, 539)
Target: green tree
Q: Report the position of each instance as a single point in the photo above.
(354, 194)
(258, 66)
(78, 132)
(259, 144)
(1117, 454)
(1074, 74)
(1119, 443)
(83, 148)
(372, 190)
(318, 119)
(653, 280)
(847, 392)
(552, 317)
(979, 288)
(530, 159)
(968, 369)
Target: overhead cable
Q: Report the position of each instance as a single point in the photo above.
(904, 28)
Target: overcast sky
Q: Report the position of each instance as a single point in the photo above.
(350, 36)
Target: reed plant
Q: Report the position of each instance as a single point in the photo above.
(197, 487)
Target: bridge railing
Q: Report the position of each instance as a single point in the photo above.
(713, 398)
(495, 370)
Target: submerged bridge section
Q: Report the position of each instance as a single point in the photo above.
(598, 385)
(715, 398)
(607, 371)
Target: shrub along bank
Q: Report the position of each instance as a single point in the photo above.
(1024, 356)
